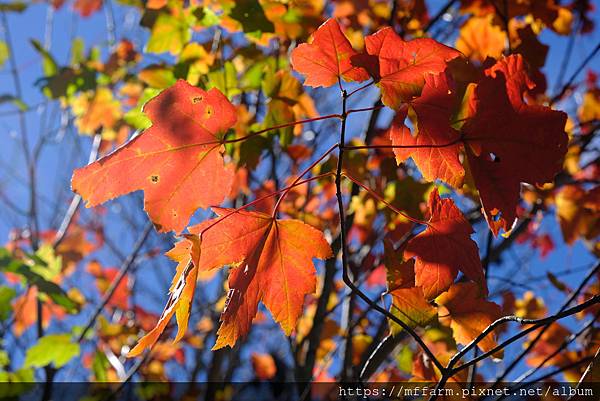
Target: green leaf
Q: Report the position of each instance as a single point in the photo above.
(252, 17)
(206, 17)
(48, 288)
(57, 295)
(46, 263)
(157, 76)
(14, 100)
(4, 53)
(55, 349)
(21, 381)
(15, 7)
(4, 358)
(280, 112)
(169, 34)
(77, 51)
(225, 80)
(136, 117)
(405, 359)
(6, 296)
(100, 365)
(49, 65)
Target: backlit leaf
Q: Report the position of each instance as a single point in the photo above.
(326, 59)
(510, 141)
(271, 263)
(54, 349)
(186, 253)
(177, 161)
(434, 109)
(444, 248)
(399, 67)
(469, 314)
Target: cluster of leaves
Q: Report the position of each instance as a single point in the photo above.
(473, 120)
(178, 164)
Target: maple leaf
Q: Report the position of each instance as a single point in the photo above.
(96, 110)
(480, 38)
(399, 67)
(272, 263)
(177, 161)
(468, 313)
(104, 278)
(510, 141)
(444, 248)
(170, 33)
(87, 7)
(187, 254)
(326, 59)
(434, 109)
(25, 311)
(409, 303)
(577, 212)
(264, 366)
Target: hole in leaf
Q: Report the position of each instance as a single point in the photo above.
(494, 157)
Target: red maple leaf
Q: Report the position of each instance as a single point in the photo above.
(444, 248)
(434, 109)
(399, 66)
(510, 141)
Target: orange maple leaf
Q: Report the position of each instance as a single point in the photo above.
(264, 366)
(87, 7)
(327, 58)
(177, 161)
(272, 263)
(181, 294)
(400, 67)
(469, 314)
(443, 248)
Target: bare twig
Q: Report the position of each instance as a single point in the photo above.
(125, 267)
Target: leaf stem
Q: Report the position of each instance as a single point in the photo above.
(382, 200)
(360, 89)
(285, 125)
(262, 198)
(365, 109)
(305, 171)
(434, 146)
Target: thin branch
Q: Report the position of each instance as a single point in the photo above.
(76, 201)
(536, 325)
(433, 146)
(555, 372)
(439, 15)
(345, 269)
(570, 81)
(530, 346)
(262, 131)
(365, 86)
(561, 348)
(125, 267)
(382, 200)
(302, 174)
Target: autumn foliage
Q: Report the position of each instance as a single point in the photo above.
(346, 173)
